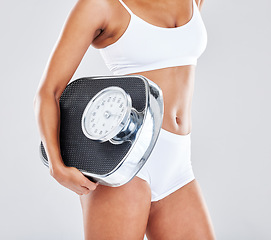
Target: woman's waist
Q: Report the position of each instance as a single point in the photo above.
(176, 123)
(176, 75)
(177, 85)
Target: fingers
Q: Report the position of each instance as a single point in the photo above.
(87, 186)
(83, 184)
(75, 180)
(83, 191)
(80, 190)
(90, 185)
(79, 187)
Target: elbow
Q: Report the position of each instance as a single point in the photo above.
(35, 100)
(38, 95)
(42, 94)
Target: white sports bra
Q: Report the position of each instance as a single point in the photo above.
(144, 46)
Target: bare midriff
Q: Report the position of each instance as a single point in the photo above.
(177, 85)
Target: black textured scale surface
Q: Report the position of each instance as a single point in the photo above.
(76, 149)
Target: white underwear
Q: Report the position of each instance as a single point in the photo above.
(168, 167)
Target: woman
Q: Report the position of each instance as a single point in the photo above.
(160, 40)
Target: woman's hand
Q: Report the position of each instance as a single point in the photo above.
(72, 178)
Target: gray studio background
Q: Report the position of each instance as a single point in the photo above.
(231, 121)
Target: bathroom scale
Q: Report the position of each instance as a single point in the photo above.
(109, 126)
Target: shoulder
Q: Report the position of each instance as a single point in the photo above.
(199, 3)
(106, 9)
(114, 19)
(97, 4)
(104, 6)
(95, 10)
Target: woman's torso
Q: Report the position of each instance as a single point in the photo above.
(176, 82)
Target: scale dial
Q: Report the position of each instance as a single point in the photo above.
(106, 114)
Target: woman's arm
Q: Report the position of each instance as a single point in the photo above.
(83, 24)
(200, 4)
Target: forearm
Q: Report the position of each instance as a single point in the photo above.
(47, 113)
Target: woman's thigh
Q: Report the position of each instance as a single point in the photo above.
(117, 212)
(181, 215)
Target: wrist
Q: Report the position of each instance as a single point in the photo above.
(56, 168)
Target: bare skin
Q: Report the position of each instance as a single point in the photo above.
(124, 212)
